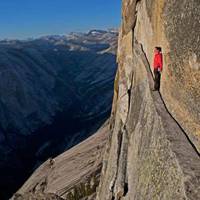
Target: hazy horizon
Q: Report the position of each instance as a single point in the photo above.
(58, 34)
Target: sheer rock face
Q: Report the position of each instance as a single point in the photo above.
(72, 175)
(175, 26)
(153, 150)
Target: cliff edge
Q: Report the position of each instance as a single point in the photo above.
(153, 151)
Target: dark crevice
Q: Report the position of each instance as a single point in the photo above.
(129, 98)
(119, 149)
(120, 133)
(125, 188)
(125, 172)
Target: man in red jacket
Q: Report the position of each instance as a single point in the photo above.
(158, 66)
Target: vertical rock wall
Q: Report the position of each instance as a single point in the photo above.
(175, 26)
(153, 151)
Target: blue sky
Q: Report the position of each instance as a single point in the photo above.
(33, 18)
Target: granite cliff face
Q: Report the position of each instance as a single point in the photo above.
(153, 150)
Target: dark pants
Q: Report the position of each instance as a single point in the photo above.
(157, 76)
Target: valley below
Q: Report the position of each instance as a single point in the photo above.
(55, 91)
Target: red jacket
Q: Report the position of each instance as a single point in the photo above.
(158, 61)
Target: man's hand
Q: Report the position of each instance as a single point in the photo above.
(159, 70)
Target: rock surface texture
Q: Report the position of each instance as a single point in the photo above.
(153, 150)
(73, 175)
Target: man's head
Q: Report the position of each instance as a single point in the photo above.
(158, 50)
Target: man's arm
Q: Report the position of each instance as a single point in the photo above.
(160, 61)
